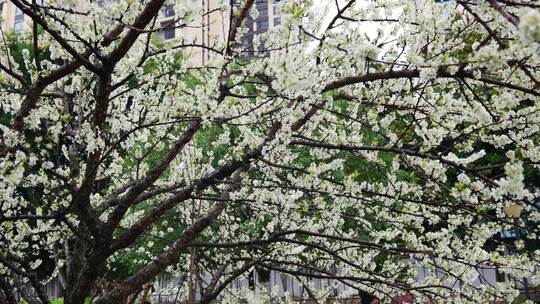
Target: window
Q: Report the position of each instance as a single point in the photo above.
(18, 26)
(261, 5)
(19, 15)
(262, 25)
(500, 276)
(169, 34)
(509, 234)
(2, 5)
(249, 23)
(168, 30)
(168, 11)
(261, 22)
(18, 23)
(2, 12)
(263, 11)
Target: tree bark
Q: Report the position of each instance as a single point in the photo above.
(192, 285)
(6, 293)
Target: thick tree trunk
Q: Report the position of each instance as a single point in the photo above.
(146, 292)
(80, 288)
(25, 291)
(6, 292)
(3, 298)
(85, 260)
(74, 297)
(192, 289)
(82, 282)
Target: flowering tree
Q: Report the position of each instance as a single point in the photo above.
(362, 142)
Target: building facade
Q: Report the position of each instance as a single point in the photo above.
(207, 31)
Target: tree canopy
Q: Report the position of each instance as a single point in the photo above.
(361, 142)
